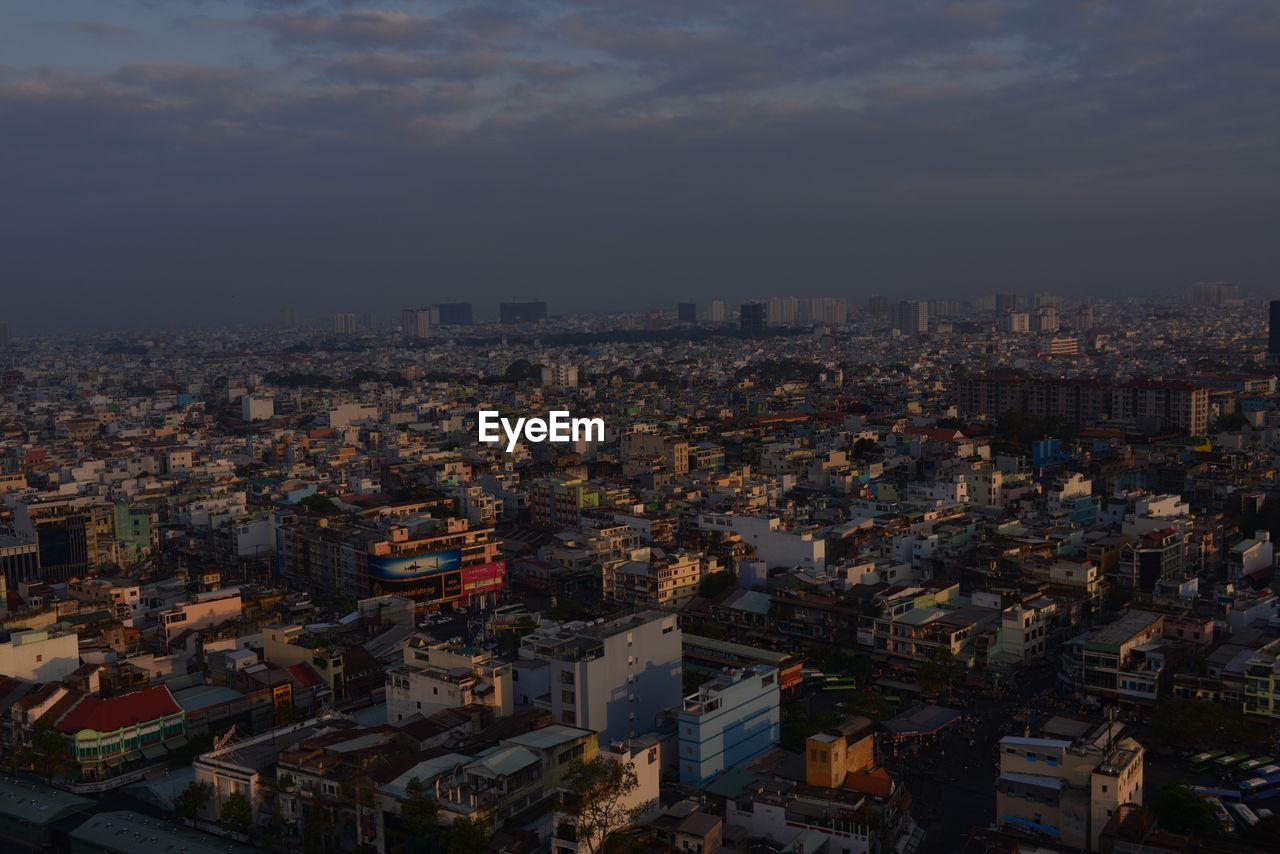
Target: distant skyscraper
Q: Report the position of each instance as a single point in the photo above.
(1273, 340)
(514, 313)
(687, 312)
(1084, 317)
(1015, 321)
(1215, 293)
(754, 319)
(1047, 319)
(718, 314)
(878, 305)
(832, 311)
(288, 318)
(344, 323)
(1006, 303)
(455, 313)
(911, 317)
(415, 323)
(783, 310)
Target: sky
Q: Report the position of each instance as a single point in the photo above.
(176, 162)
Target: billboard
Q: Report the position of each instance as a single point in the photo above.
(432, 577)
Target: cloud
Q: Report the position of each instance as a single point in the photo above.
(100, 28)
(603, 153)
(349, 30)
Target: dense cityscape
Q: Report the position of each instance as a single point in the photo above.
(982, 575)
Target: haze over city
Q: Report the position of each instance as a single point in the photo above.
(198, 162)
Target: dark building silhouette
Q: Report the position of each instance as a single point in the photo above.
(1273, 339)
(454, 313)
(687, 312)
(753, 319)
(522, 312)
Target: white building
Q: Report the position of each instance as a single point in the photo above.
(438, 676)
(613, 677)
(560, 375)
(37, 655)
(254, 407)
(773, 545)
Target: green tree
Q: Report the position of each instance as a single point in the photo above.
(236, 814)
(594, 797)
(940, 671)
(49, 753)
(1180, 810)
(465, 836)
(419, 819)
(191, 800)
(716, 583)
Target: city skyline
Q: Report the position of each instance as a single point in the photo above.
(200, 162)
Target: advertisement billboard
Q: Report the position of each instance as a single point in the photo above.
(433, 576)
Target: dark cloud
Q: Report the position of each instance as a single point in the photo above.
(598, 153)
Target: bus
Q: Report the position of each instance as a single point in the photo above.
(1201, 760)
(839, 683)
(1232, 796)
(1225, 763)
(1244, 816)
(1249, 766)
(1261, 788)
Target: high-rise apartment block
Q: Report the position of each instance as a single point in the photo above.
(454, 313)
(911, 317)
(344, 323)
(416, 323)
(754, 319)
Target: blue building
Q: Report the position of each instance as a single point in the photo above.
(732, 719)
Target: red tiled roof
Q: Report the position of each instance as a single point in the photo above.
(116, 713)
(304, 675)
(876, 783)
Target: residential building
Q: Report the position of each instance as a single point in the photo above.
(729, 721)
(436, 676)
(1066, 790)
(614, 677)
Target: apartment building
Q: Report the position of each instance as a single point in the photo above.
(1065, 790)
(1124, 661)
(615, 677)
(436, 676)
(203, 611)
(38, 655)
(663, 581)
(728, 721)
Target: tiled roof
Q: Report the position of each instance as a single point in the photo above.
(116, 713)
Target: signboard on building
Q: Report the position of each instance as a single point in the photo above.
(433, 576)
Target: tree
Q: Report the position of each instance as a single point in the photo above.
(940, 671)
(236, 814)
(464, 836)
(1181, 810)
(49, 754)
(595, 796)
(191, 800)
(717, 582)
(419, 818)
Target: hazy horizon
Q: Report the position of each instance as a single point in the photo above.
(198, 162)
